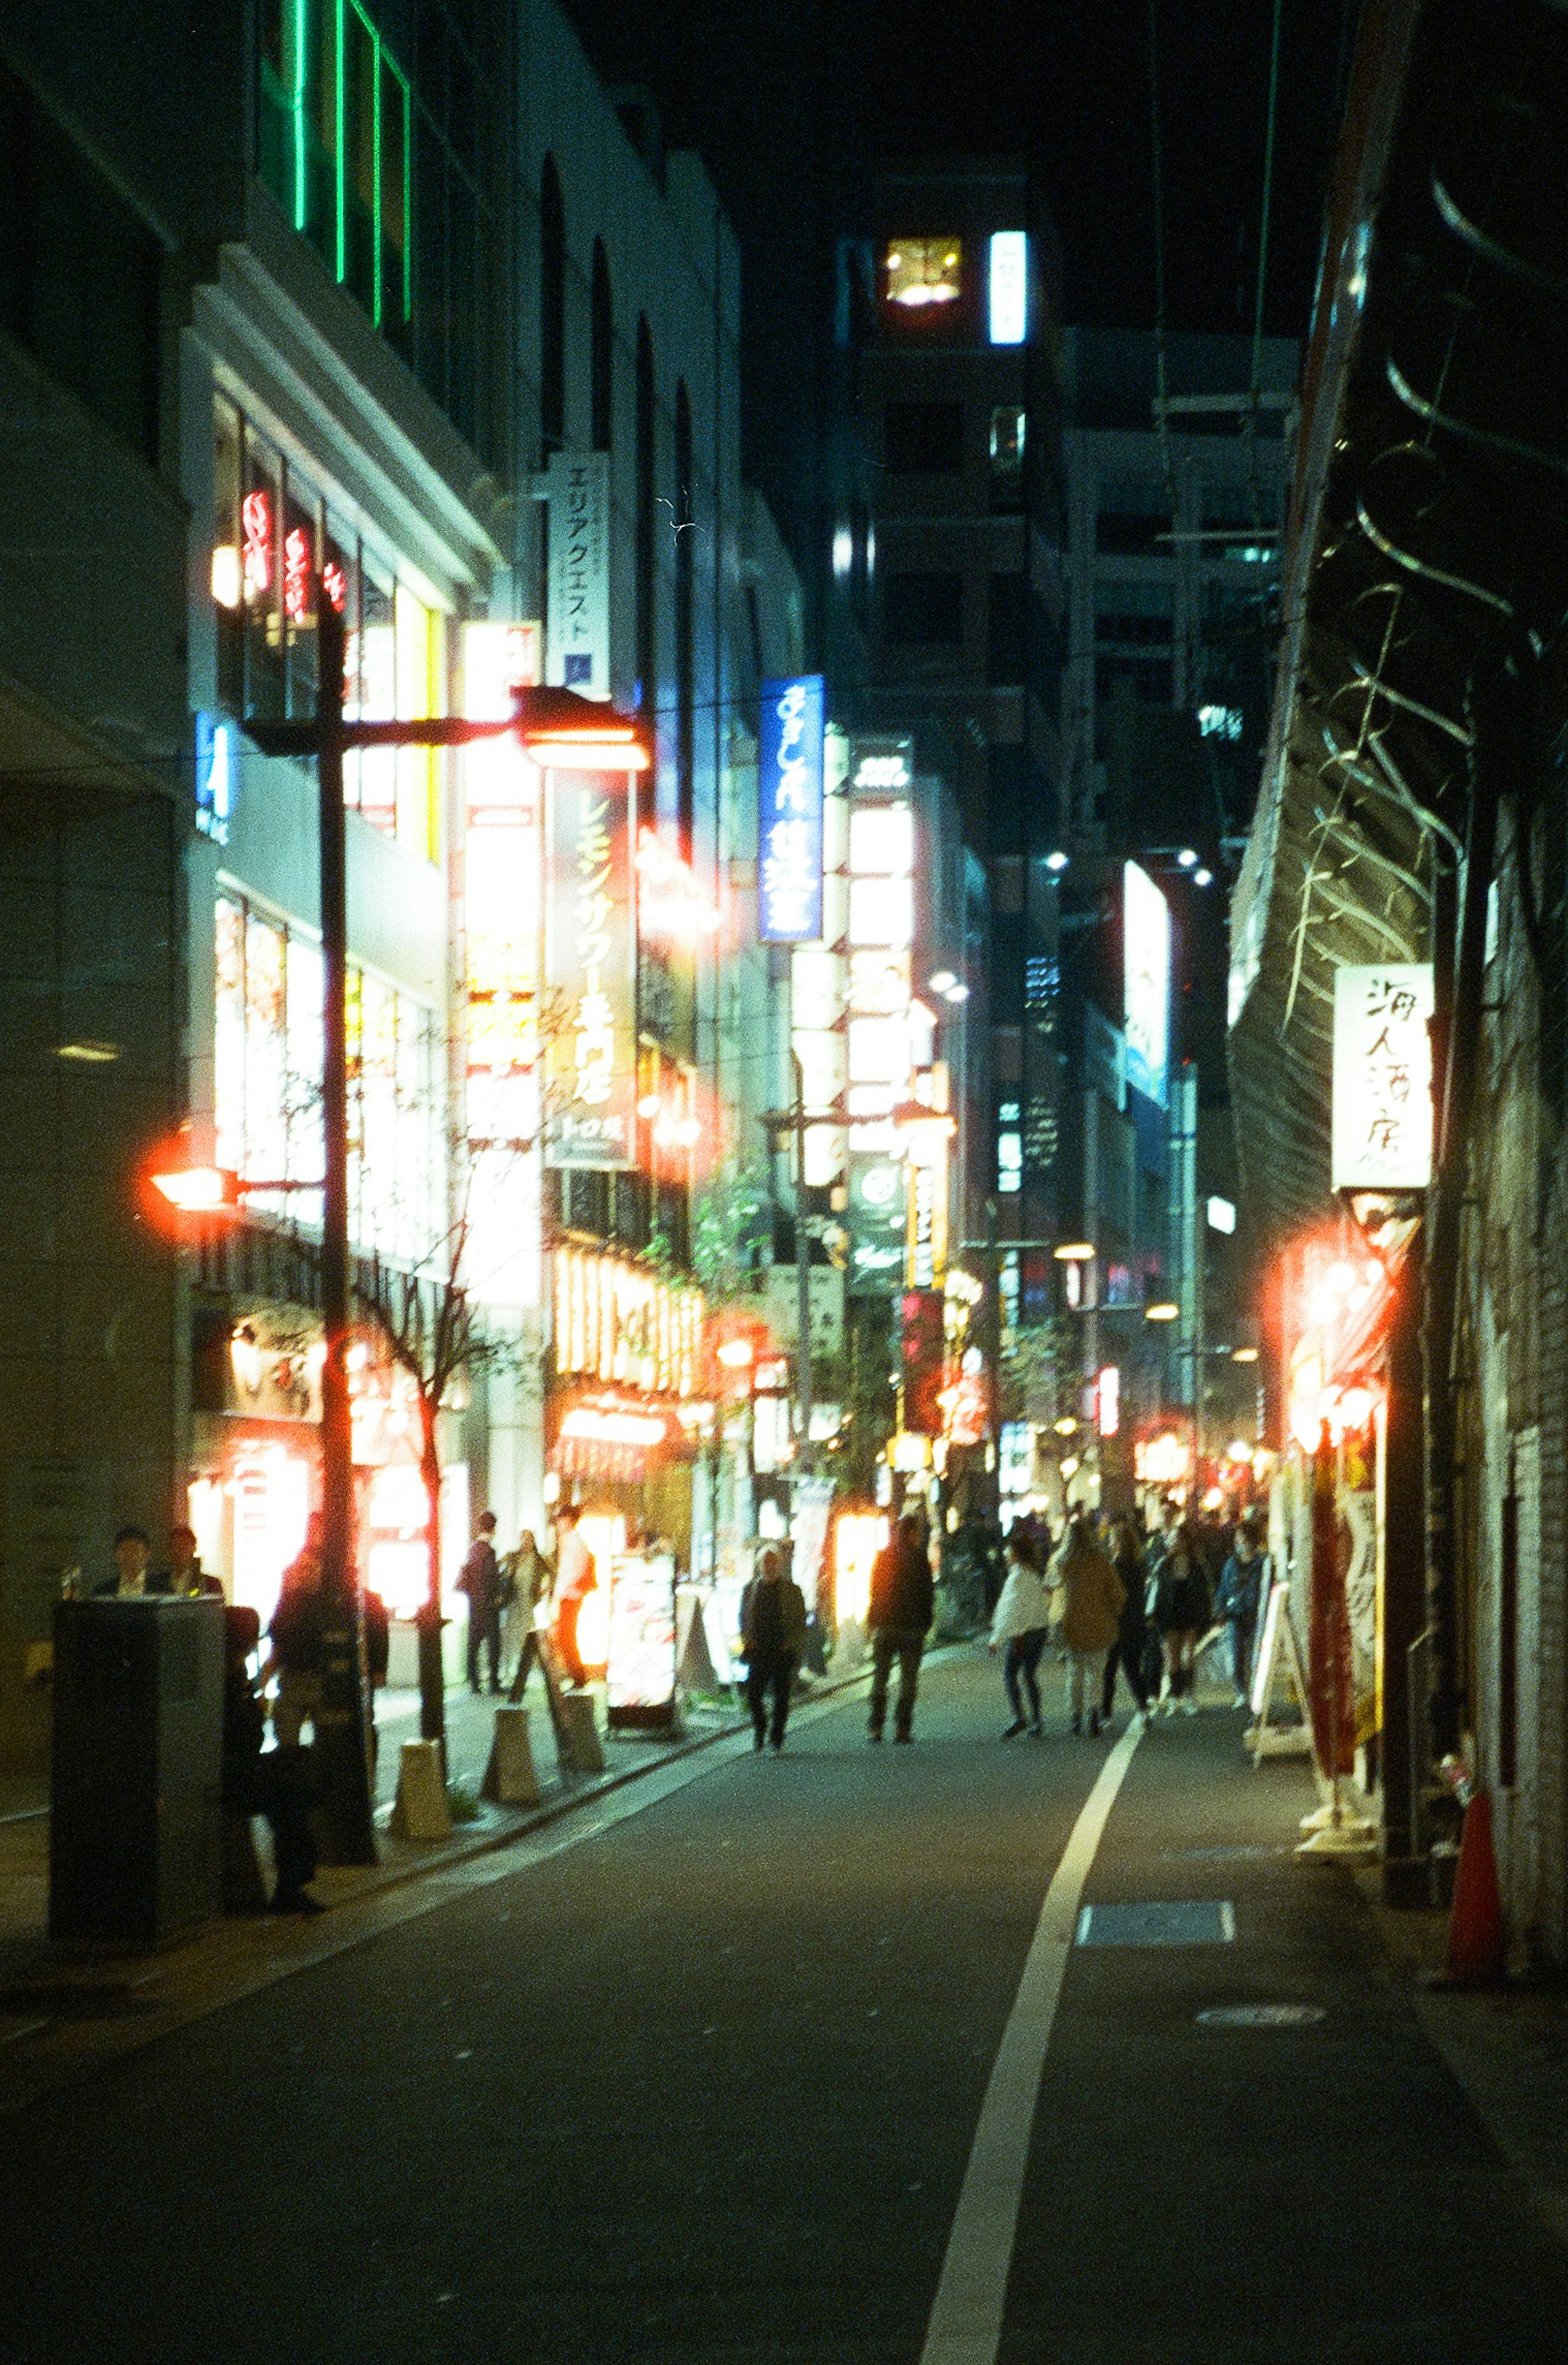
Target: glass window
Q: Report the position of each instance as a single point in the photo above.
(392, 211)
(301, 547)
(266, 1053)
(229, 1044)
(924, 272)
(376, 692)
(416, 639)
(356, 192)
(1131, 516)
(306, 1153)
(1009, 288)
(1007, 426)
(1009, 1161)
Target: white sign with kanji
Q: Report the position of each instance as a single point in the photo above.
(1383, 1077)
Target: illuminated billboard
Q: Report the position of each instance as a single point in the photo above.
(578, 624)
(1008, 294)
(790, 812)
(1145, 987)
(590, 952)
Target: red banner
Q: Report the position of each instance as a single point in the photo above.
(1328, 1629)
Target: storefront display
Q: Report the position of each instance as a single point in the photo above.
(641, 1643)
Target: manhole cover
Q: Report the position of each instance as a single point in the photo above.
(1261, 2015)
(1181, 1922)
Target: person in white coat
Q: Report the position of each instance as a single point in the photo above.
(1018, 1629)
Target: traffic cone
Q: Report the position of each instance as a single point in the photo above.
(1477, 1949)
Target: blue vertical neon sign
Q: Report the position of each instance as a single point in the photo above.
(790, 815)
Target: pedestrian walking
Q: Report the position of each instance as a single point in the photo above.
(903, 1597)
(530, 1576)
(1126, 1653)
(1240, 1592)
(295, 1635)
(1180, 1613)
(480, 1579)
(575, 1580)
(1091, 1595)
(773, 1635)
(1019, 1626)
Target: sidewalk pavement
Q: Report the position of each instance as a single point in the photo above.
(84, 2007)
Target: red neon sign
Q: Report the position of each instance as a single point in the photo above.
(256, 516)
(335, 584)
(296, 573)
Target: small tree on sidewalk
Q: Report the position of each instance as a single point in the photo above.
(431, 1325)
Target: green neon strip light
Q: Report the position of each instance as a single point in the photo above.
(343, 230)
(299, 35)
(408, 198)
(375, 169)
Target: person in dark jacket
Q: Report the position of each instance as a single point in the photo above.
(903, 1599)
(269, 1784)
(1238, 1599)
(773, 1635)
(296, 1634)
(480, 1579)
(1126, 1651)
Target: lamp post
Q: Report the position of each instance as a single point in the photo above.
(542, 718)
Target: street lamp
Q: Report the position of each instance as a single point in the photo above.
(558, 728)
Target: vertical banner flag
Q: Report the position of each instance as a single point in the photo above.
(577, 630)
(1383, 1077)
(590, 953)
(790, 816)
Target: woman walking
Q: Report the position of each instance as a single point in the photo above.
(1092, 1598)
(1018, 1628)
(1126, 1651)
(1182, 1616)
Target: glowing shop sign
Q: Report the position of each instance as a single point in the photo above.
(256, 517)
(1146, 930)
(789, 818)
(591, 967)
(214, 776)
(1383, 1077)
(641, 1653)
(1009, 290)
(578, 624)
(297, 571)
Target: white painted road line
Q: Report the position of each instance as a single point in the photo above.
(965, 2318)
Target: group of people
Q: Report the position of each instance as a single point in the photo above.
(506, 1595)
(773, 1634)
(1122, 1604)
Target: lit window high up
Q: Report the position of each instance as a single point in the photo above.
(1009, 288)
(881, 841)
(923, 272)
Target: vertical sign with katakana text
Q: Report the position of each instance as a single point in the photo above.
(577, 628)
(1383, 1077)
(789, 815)
(590, 952)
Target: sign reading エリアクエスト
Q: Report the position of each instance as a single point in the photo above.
(1383, 1077)
(590, 951)
(790, 815)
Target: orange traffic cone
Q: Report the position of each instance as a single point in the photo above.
(1477, 1949)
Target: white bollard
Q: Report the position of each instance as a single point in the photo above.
(421, 1811)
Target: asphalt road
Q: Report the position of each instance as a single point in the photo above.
(705, 2088)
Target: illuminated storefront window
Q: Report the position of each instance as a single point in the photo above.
(267, 1089)
(923, 272)
(617, 1322)
(273, 537)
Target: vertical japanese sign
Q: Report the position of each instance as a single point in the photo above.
(590, 952)
(789, 815)
(1383, 1077)
(578, 626)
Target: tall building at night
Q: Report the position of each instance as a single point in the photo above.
(394, 323)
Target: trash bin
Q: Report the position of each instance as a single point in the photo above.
(136, 1830)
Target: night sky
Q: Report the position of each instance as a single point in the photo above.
(794, 104)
